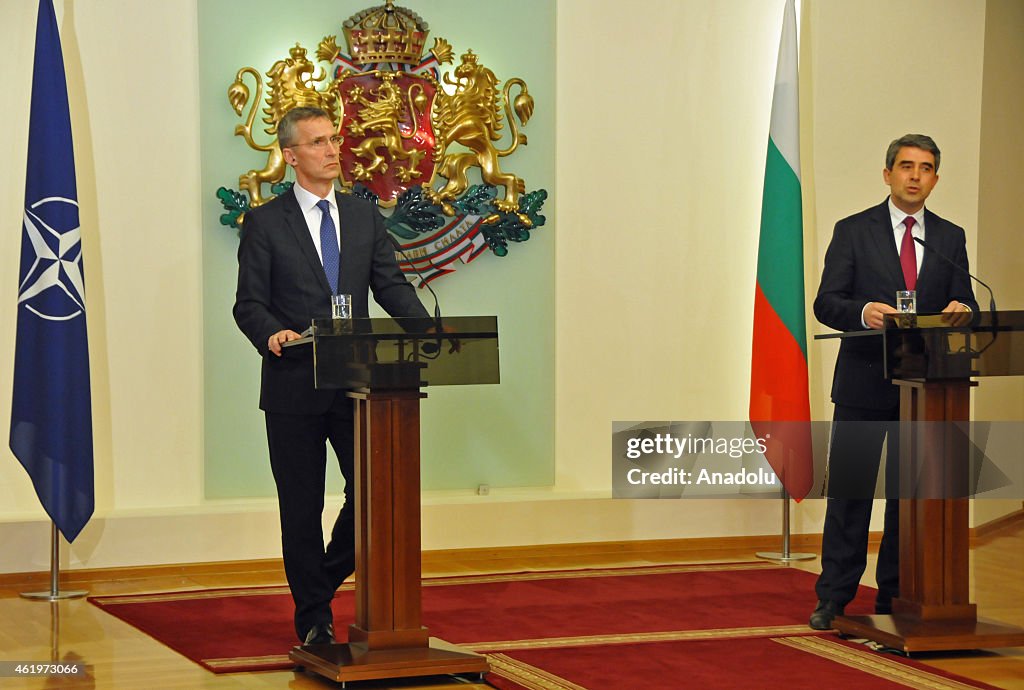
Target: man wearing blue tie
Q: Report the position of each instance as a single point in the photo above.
(873, 255)
(296, 251)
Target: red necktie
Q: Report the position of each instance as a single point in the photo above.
(908, 255)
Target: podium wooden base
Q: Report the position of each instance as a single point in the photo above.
(351, 662)
(910, 635)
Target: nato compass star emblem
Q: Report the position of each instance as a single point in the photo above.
(52, 288)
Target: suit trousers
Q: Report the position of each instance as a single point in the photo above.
(854, 457)
(298, 459)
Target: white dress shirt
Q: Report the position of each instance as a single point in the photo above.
(898, 228)
(308, 204)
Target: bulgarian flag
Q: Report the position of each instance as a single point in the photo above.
(779, 406)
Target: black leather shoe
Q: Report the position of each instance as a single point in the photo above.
(823, 615)
(320, 634)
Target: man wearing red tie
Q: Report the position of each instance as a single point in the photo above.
(873, 255)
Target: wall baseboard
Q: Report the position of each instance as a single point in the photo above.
(492, 557)
(992, 527)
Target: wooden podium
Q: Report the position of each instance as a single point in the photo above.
(933, 364)
(384, 363)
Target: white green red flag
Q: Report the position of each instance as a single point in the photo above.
(779, 403)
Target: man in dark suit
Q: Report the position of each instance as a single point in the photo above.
(296, 251)
(872, 255)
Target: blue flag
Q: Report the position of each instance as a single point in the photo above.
(51, 418)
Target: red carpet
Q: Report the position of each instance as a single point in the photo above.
(649, 623)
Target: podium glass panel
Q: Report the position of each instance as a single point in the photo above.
(386, 353)
(927, 347)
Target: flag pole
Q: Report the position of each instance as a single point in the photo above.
(51, 412)
(778, 372)
(55, 594)
(785, 555)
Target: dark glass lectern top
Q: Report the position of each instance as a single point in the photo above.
(386, 353)
(928, 347)
(925, 346)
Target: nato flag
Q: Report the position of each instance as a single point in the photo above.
(51, 418)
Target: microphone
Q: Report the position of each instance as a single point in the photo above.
(991, 297)
(428, 348)
(936, 252)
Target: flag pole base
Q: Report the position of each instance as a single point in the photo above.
(55, 593)
(55, 596)
(783, 557)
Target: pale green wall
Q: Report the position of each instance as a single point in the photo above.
(500, 435)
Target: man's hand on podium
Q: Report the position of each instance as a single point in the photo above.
(275, 341)
(874, 314)
(957, 314)
(455, 345)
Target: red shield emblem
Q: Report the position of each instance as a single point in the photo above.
(389, 138)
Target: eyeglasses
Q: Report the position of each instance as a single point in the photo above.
(321, 143)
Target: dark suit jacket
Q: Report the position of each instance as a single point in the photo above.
(862, 265)
(281, 284)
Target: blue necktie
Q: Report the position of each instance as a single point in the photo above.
(329, 245)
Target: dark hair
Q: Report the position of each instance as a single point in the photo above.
(917, 141)
(286, 127)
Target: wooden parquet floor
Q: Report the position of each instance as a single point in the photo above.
(118, 656)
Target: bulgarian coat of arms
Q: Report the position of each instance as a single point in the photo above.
(411, 136)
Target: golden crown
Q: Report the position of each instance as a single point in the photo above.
(385, 34)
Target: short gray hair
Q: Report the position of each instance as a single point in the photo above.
(286, 127)
(917, 141)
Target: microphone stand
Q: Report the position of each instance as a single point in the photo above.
(991, 296)
(434, 348)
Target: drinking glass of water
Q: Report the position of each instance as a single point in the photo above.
(906, 301)
(341, 306)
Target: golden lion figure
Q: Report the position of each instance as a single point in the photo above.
(382, 116)
(471, 116)
(288, 84)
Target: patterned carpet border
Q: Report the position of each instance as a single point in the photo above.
(206, 593)
(848, 654)
(637, 638)
(529, 677)
(874, 663)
